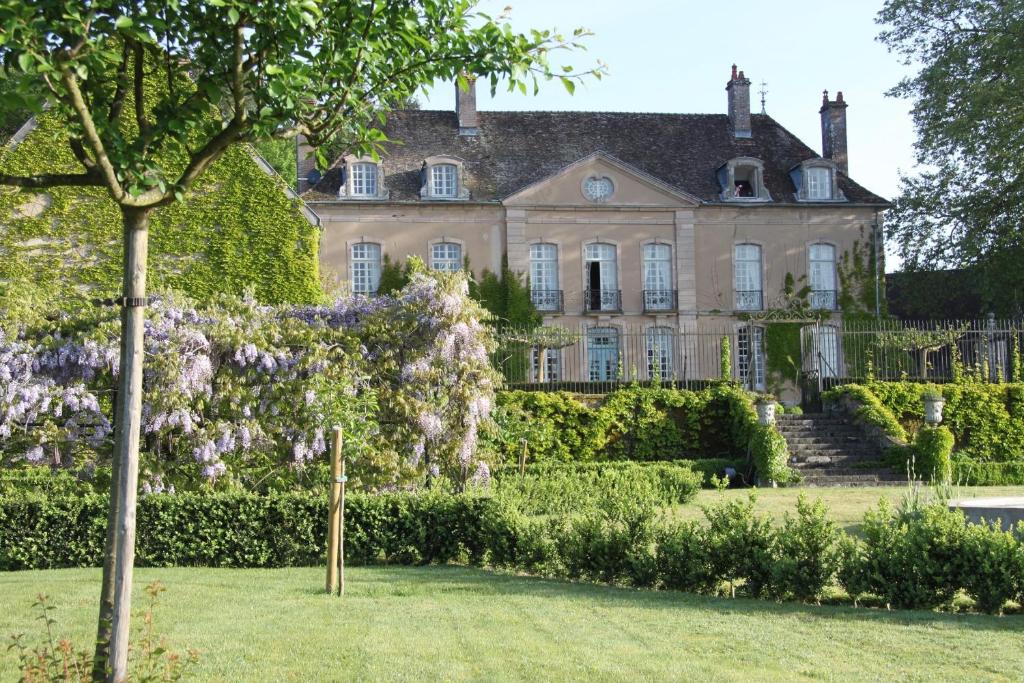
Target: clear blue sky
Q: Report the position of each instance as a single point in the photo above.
(675, 56)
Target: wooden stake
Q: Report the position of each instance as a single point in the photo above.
(334, 511)
(522, 460)
(341, 530)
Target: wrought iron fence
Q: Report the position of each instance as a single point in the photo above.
(596, 357)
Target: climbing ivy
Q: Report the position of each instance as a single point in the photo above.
(856, 271)
(782, 353)
(237, 231)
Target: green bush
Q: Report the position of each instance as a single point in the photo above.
(871, 410)
(972, 473)
(994, 562)
(808, 552)
(683, 558)
(932, 449)
(741, 546)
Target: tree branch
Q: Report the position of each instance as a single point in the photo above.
(105, 167)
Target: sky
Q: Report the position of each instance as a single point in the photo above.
(676, 56)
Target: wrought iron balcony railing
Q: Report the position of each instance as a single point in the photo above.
(547, 300)
(824, 299)
(749, 300)
(660, 300)
(602, 300)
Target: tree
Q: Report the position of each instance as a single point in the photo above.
(234, 71)
(967, 207)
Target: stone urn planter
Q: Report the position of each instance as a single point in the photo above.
(765, 406)
(933, 404)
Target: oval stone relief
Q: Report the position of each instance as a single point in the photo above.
(598, 189)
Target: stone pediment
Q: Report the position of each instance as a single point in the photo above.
(597, 181)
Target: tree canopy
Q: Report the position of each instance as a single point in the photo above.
(966, 207)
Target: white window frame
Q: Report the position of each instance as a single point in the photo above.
(444, 181)
(727, 177)
(819, 183)
(365, 267)
(657, 274)
(364, 179)
(544, 280)
(553, 371)
(745, 361)
(606, 255)
(659, 345)
(822, 296)
(748, 302)
(446, 262)
(824, 187)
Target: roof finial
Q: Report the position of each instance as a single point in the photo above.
(763, 91)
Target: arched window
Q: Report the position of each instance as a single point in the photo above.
(544, 290)
(660, 345)
(659, 295)
(603, 353)
(815, 181)
(750, 357)
(742, 179)
(446, 256)
(365, 268)
(602, 278)
(822, 276)
(747, 277)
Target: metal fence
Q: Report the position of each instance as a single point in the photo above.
(810, 354)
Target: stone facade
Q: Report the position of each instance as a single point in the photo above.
(635, 215)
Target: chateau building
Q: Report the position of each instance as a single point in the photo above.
(667, 225)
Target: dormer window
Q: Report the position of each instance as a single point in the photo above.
(442, 178)
(815, 181)
(444, 181)
(362, 179)
(742, 180)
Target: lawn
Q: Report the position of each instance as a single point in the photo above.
(451, 623)
(846, 505)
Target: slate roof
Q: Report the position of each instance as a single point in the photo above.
(516, 149)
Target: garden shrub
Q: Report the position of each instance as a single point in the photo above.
(683, 557)
(807, 554)
(871, 410)
(741, 546)
(556, 425)
(932, 449)
(972, 473)
(994, 562)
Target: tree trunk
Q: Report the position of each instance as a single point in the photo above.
(111, 662)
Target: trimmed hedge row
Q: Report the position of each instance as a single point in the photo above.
(914, 558)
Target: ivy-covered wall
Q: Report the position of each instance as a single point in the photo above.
(238, 229)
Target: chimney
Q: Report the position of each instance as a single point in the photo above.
(738, 89)
(833, 131)
(465, 107)
(305, 164)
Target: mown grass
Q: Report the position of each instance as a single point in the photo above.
(845, 505)
(460, 624)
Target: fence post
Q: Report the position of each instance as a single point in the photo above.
(335, 511)
(522, 459)
(341, 529)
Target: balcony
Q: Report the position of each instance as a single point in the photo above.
(750, 300)
(602, 301)
(658, 300)
(824, 299)
(547, 300)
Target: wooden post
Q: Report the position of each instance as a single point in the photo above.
(341, 530)
(522, 459)
(334, 511)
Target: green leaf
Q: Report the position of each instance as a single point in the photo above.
(123, 22)
(25, 61)
(233, 15)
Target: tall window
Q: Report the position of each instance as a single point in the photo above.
(819, 183)
(660, 344)
(826, 346)
(364, 180)
(544, 277)
(750, 357)
(603, 353)
(365, 268)
(552, 365)
(747, 277)
(823, 276)
(444, 180)
(602, 279)
(446, 256)
(658, 291)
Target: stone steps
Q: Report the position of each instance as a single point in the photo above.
(829, 451)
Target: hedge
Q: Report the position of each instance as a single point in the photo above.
(915, 558)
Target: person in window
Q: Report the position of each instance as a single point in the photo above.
(744, 189)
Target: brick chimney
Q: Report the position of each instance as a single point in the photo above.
(833, 131)
(305, 163)
(738, 89)
(465, 108)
